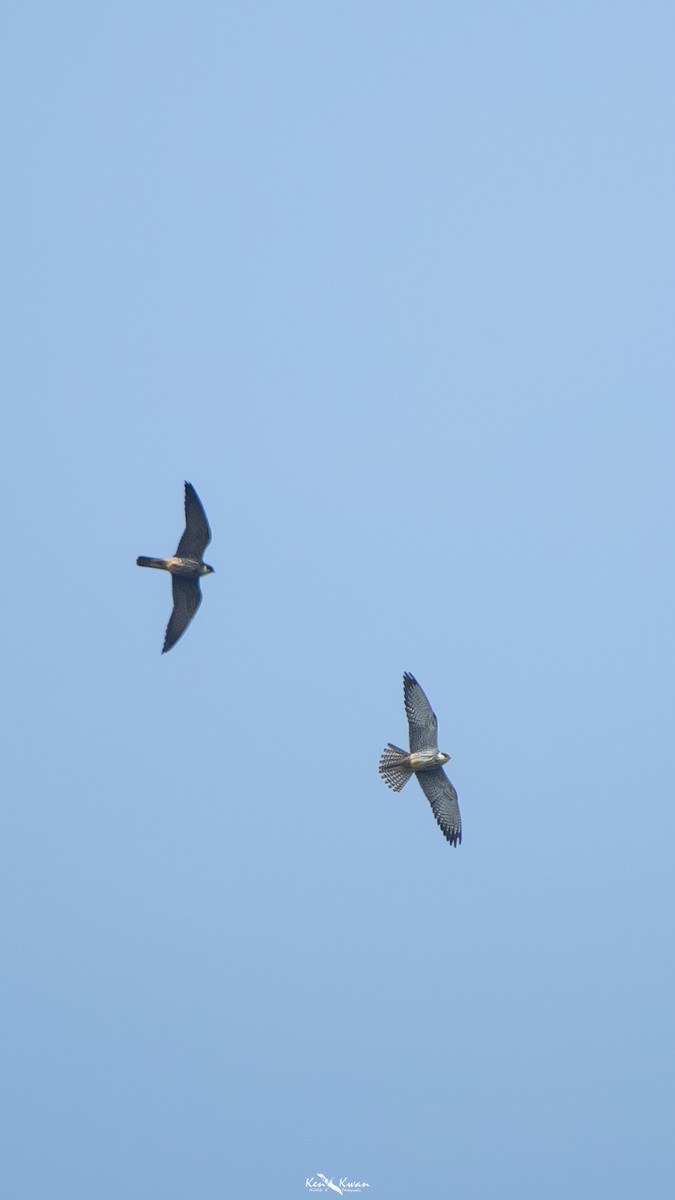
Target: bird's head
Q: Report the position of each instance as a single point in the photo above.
(207, 569)
(443, 757)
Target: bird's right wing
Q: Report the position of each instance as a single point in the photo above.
(422, 723)
(187, 597)
(197, 532)
(443, 800)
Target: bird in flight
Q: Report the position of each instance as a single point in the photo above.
(186, 567)
(425, 760)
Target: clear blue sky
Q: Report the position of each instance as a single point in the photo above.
(392, 285)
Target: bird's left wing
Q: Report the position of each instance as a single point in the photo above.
(443, 800)
(187, 597)
(197, 532)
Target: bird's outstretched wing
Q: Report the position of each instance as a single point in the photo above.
(187, 597)
(443, 799)
(422, 723)
(197, 533)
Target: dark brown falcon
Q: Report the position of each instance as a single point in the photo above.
(186, 568)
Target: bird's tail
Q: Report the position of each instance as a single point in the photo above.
(151, 562)
(393, 767)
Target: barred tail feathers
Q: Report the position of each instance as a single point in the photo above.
(393, 767)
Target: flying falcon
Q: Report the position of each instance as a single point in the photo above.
(424, 760)
(186, 566)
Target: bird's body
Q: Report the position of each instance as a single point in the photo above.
(186, 567)
(424, 760)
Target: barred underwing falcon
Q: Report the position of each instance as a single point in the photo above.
(425, 760)
(186, 567)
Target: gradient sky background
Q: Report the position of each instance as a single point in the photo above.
(392, 285)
